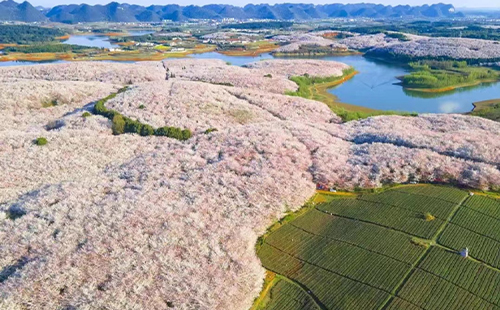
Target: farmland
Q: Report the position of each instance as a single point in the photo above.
(398, 249)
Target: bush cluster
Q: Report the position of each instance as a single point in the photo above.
(123, 124)
(41, 141)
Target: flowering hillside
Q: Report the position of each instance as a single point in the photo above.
(91, 220)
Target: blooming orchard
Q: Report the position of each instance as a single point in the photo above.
(91, 220)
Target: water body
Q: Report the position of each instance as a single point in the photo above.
(376, 87)
(91, 40)
(234, 60)
(99, 41)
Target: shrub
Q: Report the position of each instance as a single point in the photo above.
(122, 124)
(142, 107)
(41, 141)
(429, 217)
(186, 134)
(173, 132)
(147, 130)
(132, 126)
(86, 114)
(268, 75)
(118, 125)
(210, 130)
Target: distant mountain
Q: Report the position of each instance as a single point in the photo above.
(10, 10)
(116, 12)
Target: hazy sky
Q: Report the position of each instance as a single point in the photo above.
(457, 3)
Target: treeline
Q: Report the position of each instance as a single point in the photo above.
(22, 34)
(436, 29)
(438, 65)
(259, 25)
(405, 59)
(123, 124)
(47, 48)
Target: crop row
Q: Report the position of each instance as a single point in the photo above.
(287, 296)
(339, 257)
(368, 236)
(416, 203)
(450, 194)
(480, 247)
(484, 205)
(393, 217)
(401, 304)
(478, 223)
(332, 290)
(431, 292)
(467, 274)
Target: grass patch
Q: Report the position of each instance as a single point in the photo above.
(429, 217)
(489, 109)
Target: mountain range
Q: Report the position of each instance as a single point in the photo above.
(116, 12)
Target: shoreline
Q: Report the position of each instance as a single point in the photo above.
(479, 105)
(450, 88)
(338, 54)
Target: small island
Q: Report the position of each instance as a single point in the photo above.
(442, 76)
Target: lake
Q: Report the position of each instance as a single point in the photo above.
(99, 41)
(375, 87)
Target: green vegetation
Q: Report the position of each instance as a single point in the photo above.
(446, 75)
(122, 124)
(397, 35)
(23, 34)
(40, 141)
(449, 28)
(47, 48)
(287, 295)
(305, 82)
(315, 88)
(347, 115)
(259, 25)
(377, 251)
(489, 109)
(210, 130)
(86, 114)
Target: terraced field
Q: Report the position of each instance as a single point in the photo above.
(397, 250)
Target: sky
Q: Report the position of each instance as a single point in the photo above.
(456, 3)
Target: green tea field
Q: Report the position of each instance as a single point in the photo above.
(396, 250)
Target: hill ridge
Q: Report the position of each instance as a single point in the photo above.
(123, 12)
